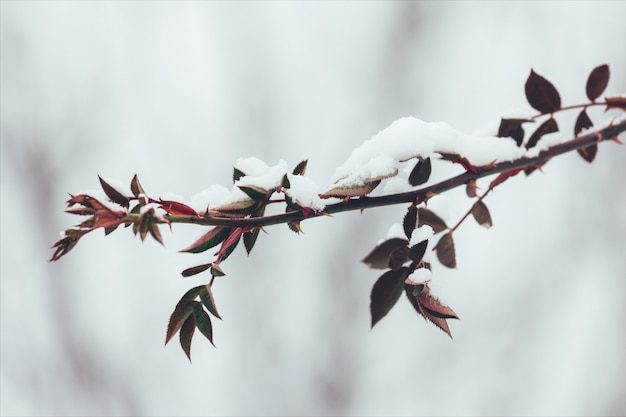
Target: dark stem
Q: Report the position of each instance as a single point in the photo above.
(411, 196)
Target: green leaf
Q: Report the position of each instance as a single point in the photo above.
(183, 309)
(445, 251)
(285, 183)
(254, 192)
(203, 322)
(428, 217)
(210, 239)
(249, 238)
(378, 258)
(114, 195)
(237, 175)
(194, 270)
(300, 169)
(386, 292)
(135, 186)
(186, 334)
(421, 172)
(206, 295)
(481, 214)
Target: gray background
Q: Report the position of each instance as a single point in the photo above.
(176, 92)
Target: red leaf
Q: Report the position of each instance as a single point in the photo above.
(113, 194)
(597, 82)
(428, 306)
(177, 209)
(481, 214)
(503, 176)
(541, 94)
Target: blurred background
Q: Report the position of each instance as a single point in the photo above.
(177, 91)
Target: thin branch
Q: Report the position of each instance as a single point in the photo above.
(408, 197)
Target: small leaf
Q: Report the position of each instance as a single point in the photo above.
(254, 192)
(177, 209)
(428, 306)
(416, 252)
(615, 103)
(153, 228)
(588, 153)
(597, 82)
(549, 126)
(470, 188)
(203, 322)
(295, 227)
(210, 239)
(194, 270)
(378, 258)
(351, 190)
(237, 175)
(300, 169)
(398, 257)
(245, 206)
(285, 182)
(428, 217)
(481, 214)
(421, 172)
(186, 334)
(206, 295)
(182, 310)
(512, 128)
(445, 251)
(410, 221)
(135, 186)
(113, 194)
(541, 94)
(582, 122)
(386, 292)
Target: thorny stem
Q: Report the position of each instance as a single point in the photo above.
(407, 197)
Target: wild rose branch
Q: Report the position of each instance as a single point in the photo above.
(404, 260)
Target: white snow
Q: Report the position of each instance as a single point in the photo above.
(305, 192)
(421, 275)
(439, 205)
(410, 137)
(420, 234)
(395, 231)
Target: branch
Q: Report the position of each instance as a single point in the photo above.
(362, 203)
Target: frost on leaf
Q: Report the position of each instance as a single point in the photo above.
(356, 190)
(379, 257)
(445, 251)
(541, 94)
(386, 292)
(597, 82)
(428, 306)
